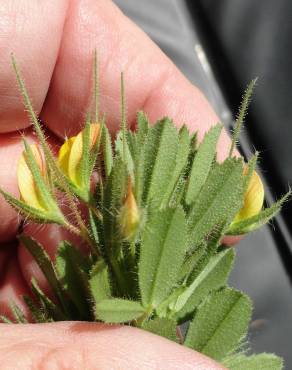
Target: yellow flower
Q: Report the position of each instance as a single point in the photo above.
(70, 153)
(26, 184)
(253, 198)
(130, 215)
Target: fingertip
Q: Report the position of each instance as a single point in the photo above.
(98, 346)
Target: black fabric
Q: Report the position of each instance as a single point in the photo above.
(255, 38)
(259, 270)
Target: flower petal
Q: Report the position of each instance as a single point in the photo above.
(64, 154)
(26, 184)
(253, 198)
(76, 151)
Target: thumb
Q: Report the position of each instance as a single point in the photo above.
(90, 346)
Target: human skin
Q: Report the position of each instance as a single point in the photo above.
(53, 43)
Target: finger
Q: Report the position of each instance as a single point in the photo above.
(12, 284)
(93, 346)
(32, 31)
(11, 147)
(153, 83)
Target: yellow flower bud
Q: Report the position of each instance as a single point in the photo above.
(64, 154)
(70, 153)
(130, 214)
(26, 184)
(253, 198)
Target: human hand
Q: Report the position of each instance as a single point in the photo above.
(53, 43)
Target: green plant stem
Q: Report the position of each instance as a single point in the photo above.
(140, 321)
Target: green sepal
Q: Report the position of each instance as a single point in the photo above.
(180, 164)
(106, 147)
(255, 222)
(164, 327)
(136, 142)
(120, 146)
(117, 310)
(84, 166)
(32, 213)
(220, 323)
(241, 115)
(95, 225)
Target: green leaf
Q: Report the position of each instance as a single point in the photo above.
(51, 311)
(180, 164)
(263, 361)
(160, 149)
(194, 142)
(220, 323)
(107, 151)
(212, 277)
(137, 145)
(202, 163)
(163, 248)
(164, 308)
(99, 281)
(95, 228)
(255, 222)
(192, 260)
(5, 320)
(71, 266)
(17, 313)
(161, 326)
(45, 264)
(117, 310)
(220, 199)
(36, 312)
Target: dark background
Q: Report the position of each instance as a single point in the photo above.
(220, 46)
